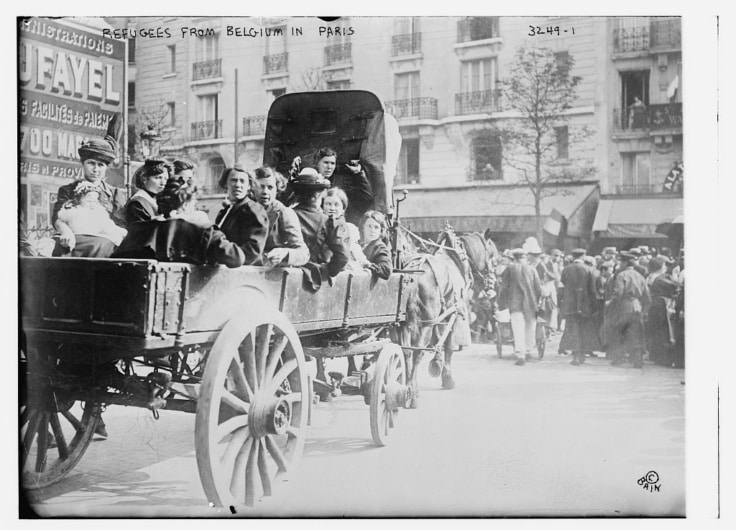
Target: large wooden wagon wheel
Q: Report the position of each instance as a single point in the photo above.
(55, 430)
(252, 411)
(389, 392)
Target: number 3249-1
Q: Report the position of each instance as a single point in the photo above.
(538, 31)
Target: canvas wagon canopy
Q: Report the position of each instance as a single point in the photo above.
(352, 122)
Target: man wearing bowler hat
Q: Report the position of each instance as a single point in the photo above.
(629, 300)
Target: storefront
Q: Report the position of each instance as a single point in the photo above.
(567, 212)
(627, 222)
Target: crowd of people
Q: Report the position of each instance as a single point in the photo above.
(627, 305)
(303, 219)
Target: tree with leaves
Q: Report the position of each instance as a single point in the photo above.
(541, 91)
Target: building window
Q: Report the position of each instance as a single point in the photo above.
(207, 107)
(406, 86)
(131, 50)
(215, 167)
(486, 158)
(562, 137)
(208, 47)
(407, 37)
(276, 41)
(478, 75)
(172, 113)
(477, 28)
(634, 99)
(338, 84)
(408, 169)
(562, 61)
(131, 94)
(171, 59)
(635, 173)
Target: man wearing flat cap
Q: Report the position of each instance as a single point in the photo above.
(519, 292)
(623, 320)
(325, 241)
(95, 155)
(578, 303)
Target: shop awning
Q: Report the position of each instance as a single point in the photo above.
(501, 208)
(632, 218)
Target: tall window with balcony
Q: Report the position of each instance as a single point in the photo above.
(478, 93)
(408, 168)
(632, 115)
(486, 158)
(208, 64)
(477, 28)
(338, 49)
(276, 58)
(635, 173)
(407, 37)
(408, 102)
(631, 35)
(208, 126)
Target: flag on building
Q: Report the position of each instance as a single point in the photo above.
(672, 88)
(673, 182)
(553, 223)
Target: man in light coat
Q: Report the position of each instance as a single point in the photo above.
(520, 292)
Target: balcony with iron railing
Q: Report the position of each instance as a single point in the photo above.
(276, 64)
(477, 28)
(254, 125)
(657, 35)
(420, 108)
(338, 54)
(481, 101)
(206, 130)
(640, 189)
(207, 69)
(659, 117)
(406, 44)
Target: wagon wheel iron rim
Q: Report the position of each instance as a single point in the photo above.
(55, 430)
(388, 393)
(252, 419)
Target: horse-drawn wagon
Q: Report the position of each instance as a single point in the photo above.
(229, 345)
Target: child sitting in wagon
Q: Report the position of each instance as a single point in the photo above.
(373, 234)
(95, 233)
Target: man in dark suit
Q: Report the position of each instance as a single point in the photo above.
(578, 301)
(242, 220)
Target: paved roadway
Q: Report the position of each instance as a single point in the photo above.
(546, 439)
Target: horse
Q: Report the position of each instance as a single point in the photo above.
(437, 311)
(481, 253)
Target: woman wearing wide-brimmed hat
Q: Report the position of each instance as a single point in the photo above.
(324, 239)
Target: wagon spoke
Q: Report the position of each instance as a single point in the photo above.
(241, 383)
(263, 470)
(42, 443)
(239, 468)
(234, 445)
(248, 356)
(73, 420)
(276, 454)
(275, 355)
(33, 420)
(285, 371)
(234, 402)
(292, 397)
(59, 435)
(250, 476)
(231, 426)
(293, 432)
(263, 340)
